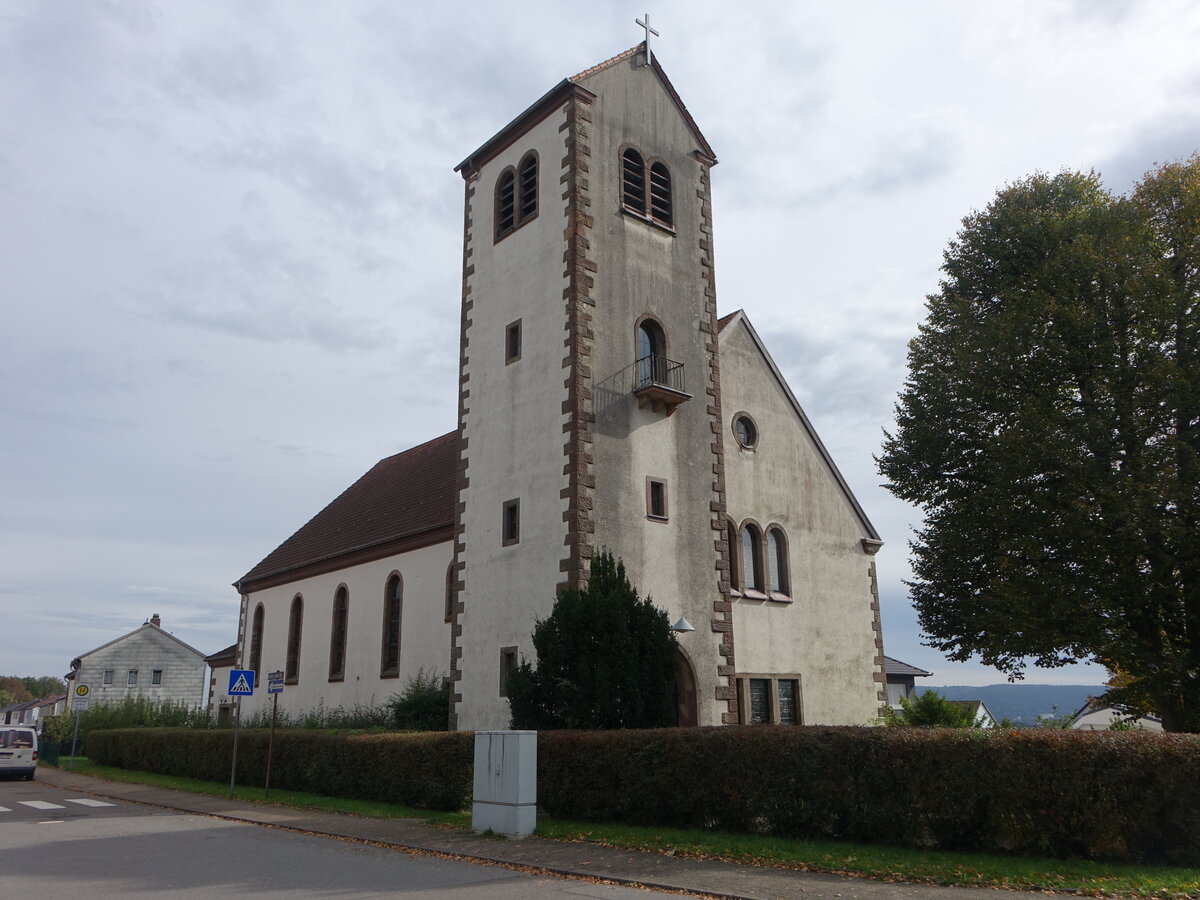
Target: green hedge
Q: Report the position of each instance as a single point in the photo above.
(1123, 796)
(431, 771)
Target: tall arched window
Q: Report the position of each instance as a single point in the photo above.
(517, 195)
(651, 353)
(449, 592)
(633, 180)
(777, 561)
(506, 203)
(735, 569)
(256, 639)
(393, 611)
(752, 573)
(295, 626)
(660, 193)
(527, 177)
(337, 634)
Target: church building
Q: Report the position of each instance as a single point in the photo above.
(603, 404)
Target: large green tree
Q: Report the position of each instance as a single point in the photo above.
(1050, 431)
(605, 659)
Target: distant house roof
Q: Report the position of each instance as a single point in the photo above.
(404, 502)
(77, 662)
(50, 701)
(226, 657)
(895, 667)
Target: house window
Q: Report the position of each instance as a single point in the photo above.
(295, 627)
(393, 613)
(508, 665)
(108, 676)
(337, 634)
(517, 195)
(510, 525)
(450, 592)
(256, 642)
(745, 431)
(512, 342)
(788, 705)
(156, 676)
(132, 677)
(760, 701)
(769, 699)
(752, 569)
(777, 561)
(656, 499)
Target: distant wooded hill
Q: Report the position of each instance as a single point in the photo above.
(1023, 703)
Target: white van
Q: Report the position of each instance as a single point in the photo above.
(18, 751)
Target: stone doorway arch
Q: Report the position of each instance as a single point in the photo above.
(685, 691)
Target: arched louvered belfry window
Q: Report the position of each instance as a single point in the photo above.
(256, 642)
(527, 178)
(295, 629)
(752, 570)
(633, 180)
(337, 634)
(777, 561)
(393, 613)
(506, 203)
(660, 194)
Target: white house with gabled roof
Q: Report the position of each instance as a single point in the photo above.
(147, 662)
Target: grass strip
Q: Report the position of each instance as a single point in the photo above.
(885, 863)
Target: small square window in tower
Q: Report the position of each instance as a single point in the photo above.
(512, 342)
(656, 499)
(510, 523)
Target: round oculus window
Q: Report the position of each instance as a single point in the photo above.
(745, 431)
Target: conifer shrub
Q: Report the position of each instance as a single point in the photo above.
(429, 771)
(1103, 795)
(606, 658)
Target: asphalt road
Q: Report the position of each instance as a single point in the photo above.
(57, 844)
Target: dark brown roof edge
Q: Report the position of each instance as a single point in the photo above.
(369, 553)
(521, 125)
(559, 94)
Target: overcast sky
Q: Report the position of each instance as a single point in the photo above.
(230, 238)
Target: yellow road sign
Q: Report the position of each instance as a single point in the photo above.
(81, 690)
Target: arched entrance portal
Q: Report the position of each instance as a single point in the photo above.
(685, 691)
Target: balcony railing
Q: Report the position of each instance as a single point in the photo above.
(659, 382)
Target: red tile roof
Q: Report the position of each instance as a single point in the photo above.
(402, 498)
(725, 320)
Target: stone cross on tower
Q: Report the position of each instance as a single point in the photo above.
(649, 31)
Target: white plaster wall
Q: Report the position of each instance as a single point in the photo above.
(424, 633)
(826, 634)
(146, 649)
(643, 270)
(513, 426)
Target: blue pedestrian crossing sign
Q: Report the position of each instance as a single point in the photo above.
(241, 682)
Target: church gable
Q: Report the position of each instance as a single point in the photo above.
(752, 384)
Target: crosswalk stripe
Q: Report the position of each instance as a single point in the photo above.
(88, 801)
(41, 804)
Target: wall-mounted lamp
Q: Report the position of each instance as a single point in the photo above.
(683, 625)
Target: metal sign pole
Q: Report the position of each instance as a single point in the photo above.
(271, 744)
(74, 744)
(237, 722)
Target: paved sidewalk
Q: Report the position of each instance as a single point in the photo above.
(577, 860)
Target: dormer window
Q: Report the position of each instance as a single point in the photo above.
(517, 195)
(653, 204)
